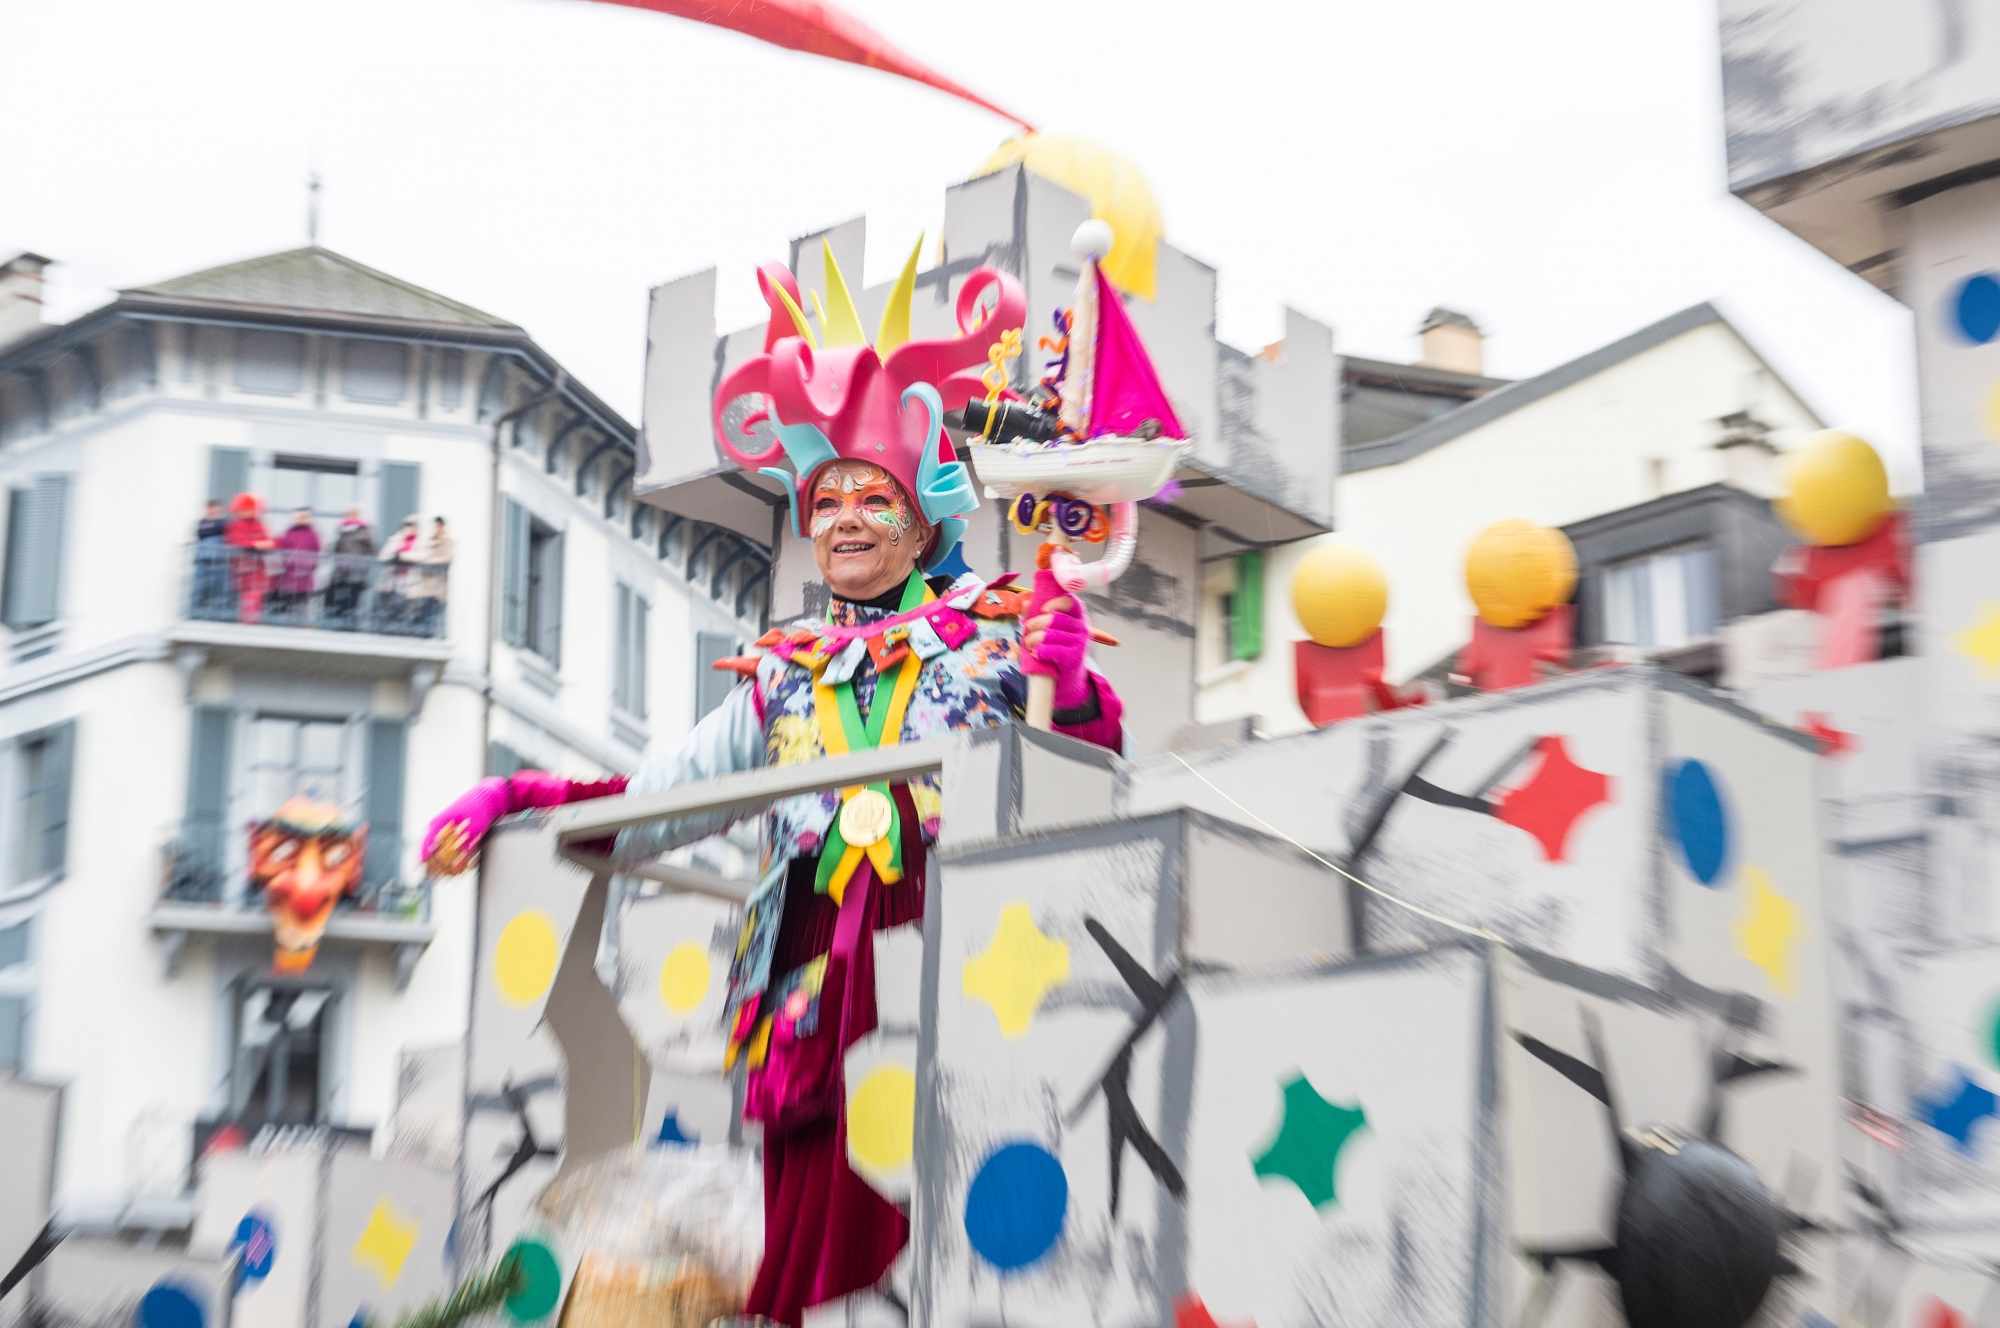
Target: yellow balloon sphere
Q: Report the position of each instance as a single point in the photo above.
(1339, 595)
(1837, 491)
(1516, 571)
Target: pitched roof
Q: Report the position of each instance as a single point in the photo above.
(1502, 401)
(315, 280)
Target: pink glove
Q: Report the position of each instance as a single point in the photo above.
(452, 843)
(1054, 642)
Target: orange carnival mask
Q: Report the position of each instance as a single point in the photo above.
(305, 859)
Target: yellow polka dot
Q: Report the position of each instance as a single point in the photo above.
(1989, 413)
(524, 960)
(684, 978)
(882, 1118)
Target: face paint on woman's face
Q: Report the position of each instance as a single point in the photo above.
(870, 497)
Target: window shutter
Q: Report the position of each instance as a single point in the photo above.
(502, 761)
(399, 494)
(1246, 608)
(621, 649)
(513, 573)
(208, 784)
(548, 614)
(387, 741)
(637, 704)
(35, 525)
(228, 472)
(54, 829)
(710, 685)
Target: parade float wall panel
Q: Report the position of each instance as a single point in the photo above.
(1880, 822)
(1341, 1163)
(29, 1116)
(1752, 940)
(1025, 1006)
(385, 1248)
(1557, 854)
(1014, 780)
(554, 1077)
(1961, 644)
(1951, 255)
(1564, 1178)
(1953, 1077)
(104, 1280)
(279, 1190)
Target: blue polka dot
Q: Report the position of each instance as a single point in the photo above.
(259, 1240)
(1014, 1210)
(169, 1306)
(1978, 309)
(1697, 819)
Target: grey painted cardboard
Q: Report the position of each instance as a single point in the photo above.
(1596, 906)
(285, 1188)
(1405, 1239)
(696, 933)
(604, 1072)
(1946, 239)
(1952, 1001)
(1768, 789)
(30, 1114)
(1013, 780)
(93, 1279)
(414, 1203)
(1564, 1177)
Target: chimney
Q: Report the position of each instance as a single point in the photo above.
(1453, 342)
(21, 296)
(1749, 458)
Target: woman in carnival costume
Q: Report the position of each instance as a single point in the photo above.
(874, 483)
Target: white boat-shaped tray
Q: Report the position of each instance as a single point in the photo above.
(1102, 471)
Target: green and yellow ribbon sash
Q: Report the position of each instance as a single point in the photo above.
(842, 730)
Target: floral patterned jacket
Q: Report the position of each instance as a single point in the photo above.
(969, 640)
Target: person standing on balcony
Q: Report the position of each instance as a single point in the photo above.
(433, 577)
(401, 552)
(353, 551)
(901, 655)
(211, 563)
(246, 534)
(299, 567)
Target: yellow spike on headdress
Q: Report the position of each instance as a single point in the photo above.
(798, 319)
(837, 319)
(895, 328)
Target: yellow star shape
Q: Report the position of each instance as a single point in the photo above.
(1981, 642)
(1768, 929)
(385, 1242)
(1017, 969)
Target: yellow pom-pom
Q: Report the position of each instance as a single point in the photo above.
(1339, 595)
(1836, 489)
(1517, 571)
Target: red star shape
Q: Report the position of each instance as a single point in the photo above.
(1189, 1312)
(1548, 805)
(1832, 742)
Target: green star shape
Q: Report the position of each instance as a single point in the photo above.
(1307, 1149)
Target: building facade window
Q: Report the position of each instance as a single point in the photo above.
(1663, 600)
(711, 685)
(628, 658)
(292, 756)
(325, 486)
(270, 363)
(277, 1070)
(37, 516)
(375, 372)
(42, 762)
(531, 583)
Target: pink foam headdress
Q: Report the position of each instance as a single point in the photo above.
(849, 401)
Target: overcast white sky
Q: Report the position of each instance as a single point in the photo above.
(1553, 167)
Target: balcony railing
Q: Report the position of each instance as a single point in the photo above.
(331, 592)
(197, 872)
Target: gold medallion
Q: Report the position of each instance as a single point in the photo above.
(865, 818)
